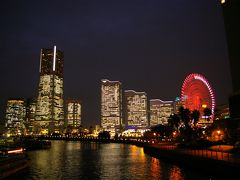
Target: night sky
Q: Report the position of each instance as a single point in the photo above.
(148, 45)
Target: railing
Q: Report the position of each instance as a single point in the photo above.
(203, 153)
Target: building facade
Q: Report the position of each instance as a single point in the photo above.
(111, 105)
(15, 116)
(160, 111)
(177, 103)
(222, 112)
(73, 117)
(136, 111)
(231, 14)
(30, 114)
(49, 109)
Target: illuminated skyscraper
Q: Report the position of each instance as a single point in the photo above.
(136, 109)
(30, 114)
(160, 111)
(231, 13)
(49, 110)
(111, 105)
(73, 113)
(15, 116)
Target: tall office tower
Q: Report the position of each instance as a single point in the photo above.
(231, 13)
(49, 111)
(15, 116)
(111, 105)
(160, 111)
(136, 112)
(73, 113)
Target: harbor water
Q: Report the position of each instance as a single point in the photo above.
(85, 160)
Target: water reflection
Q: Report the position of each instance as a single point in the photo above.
(175, 173)
(75, 160)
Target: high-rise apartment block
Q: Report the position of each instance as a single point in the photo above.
(160, 111)
(49, 109)
(111, 105)
(15, 116)
(136, 111)
(73, 117)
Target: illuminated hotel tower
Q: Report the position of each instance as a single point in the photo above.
(15, 116)
(49, 108)
(73, 113)
(160, 111)
(231, 13)
(111, 105)
(136, 109)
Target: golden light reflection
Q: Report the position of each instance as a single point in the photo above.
(175, 173)
(138, 153)
(155, 167)
(133, 149)
(142, 153)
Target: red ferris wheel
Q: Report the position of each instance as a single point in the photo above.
(197, 93)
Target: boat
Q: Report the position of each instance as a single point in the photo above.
(36, 144)
(31, 143)
(12, 160)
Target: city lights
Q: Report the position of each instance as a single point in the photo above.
(204, 106)
(73, 113)
(199, 93)
(136, 110)
(160, 111)
(15, 116)
(49, 106)
(111, 104)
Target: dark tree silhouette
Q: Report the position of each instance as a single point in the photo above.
(174, 121)
(162, 130)
(184, 114)
(195, 116)
(104, 135)
(207, 113)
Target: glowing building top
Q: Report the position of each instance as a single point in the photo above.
(51, 62)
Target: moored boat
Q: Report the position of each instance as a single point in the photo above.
(12, 160)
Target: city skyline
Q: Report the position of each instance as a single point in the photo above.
(139, 44)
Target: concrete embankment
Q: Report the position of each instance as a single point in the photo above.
(220, 169)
